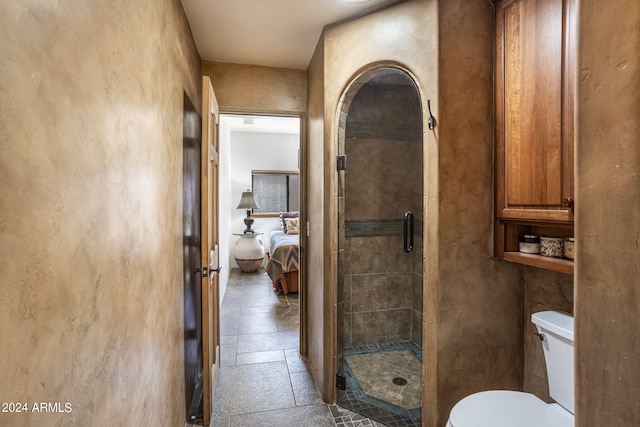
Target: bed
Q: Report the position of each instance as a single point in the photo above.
(282, 266)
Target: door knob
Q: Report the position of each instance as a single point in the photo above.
(568, 202)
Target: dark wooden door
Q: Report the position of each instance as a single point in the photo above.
(191, 241)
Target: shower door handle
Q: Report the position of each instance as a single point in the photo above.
(408, 231)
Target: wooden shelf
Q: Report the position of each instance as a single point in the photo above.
(506, 243)
(555, 264)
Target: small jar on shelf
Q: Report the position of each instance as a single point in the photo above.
(569, 247)
(529, 244)
(552, 247)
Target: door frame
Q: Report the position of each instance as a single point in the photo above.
(303, 335)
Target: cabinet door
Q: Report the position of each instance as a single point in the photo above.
(534, 110)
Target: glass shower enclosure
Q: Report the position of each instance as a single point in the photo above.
(380, 262)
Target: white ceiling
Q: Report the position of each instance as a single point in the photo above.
(263, 124)
(273, 33)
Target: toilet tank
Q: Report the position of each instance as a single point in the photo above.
(557, 329)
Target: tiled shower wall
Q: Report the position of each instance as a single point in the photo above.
(380, 285)
(382, 288)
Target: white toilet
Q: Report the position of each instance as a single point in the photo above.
(503, 408)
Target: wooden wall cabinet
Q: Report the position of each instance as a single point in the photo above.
(535, 67)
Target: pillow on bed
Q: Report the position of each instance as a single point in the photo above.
(285, 215)
(292, 225)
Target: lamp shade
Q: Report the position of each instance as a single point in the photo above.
(247, 201)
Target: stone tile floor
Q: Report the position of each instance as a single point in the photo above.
(263, 380)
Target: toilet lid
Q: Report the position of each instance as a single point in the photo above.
(502, 408)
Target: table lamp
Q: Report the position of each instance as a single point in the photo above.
(247, 202)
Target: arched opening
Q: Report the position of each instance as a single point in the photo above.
(380, 262)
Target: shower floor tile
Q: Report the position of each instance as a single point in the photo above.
(384, 382)
(375, 373)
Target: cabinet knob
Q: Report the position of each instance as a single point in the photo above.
(568, 202)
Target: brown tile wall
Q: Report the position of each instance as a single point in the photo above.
(378, 292)
(91, 312)
(383, 179)
(381, 139)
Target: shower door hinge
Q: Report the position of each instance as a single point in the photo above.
(342, 162)
(341, 382)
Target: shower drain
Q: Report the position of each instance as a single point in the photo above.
(399, 381)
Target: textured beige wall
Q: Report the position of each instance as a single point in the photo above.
(479, 300)
(607, 215)
(314, 170)
(91, 311)
(255, 89)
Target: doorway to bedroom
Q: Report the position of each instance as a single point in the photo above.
(261, 178)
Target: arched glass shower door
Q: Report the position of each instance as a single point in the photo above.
(380, 211)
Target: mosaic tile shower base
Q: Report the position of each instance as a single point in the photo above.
(370, 372)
